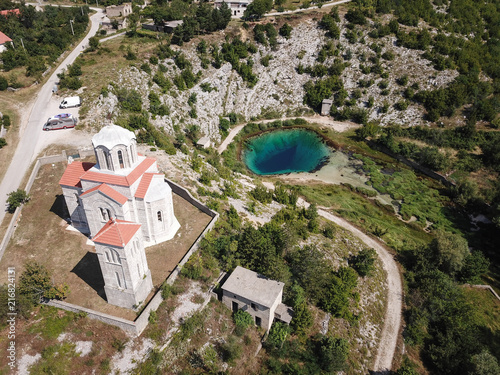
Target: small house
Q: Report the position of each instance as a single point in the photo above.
(257, 295)
(4, 39)
(204, 142)
(171, 25)
(237, 7)
(8, 12)
(326, 104)
(123, 10)
(167, 27)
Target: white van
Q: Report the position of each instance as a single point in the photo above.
(72, 101)
(61, 121)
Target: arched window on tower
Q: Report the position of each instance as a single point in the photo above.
(115, 256)
(108, 161)
(120, 159)
(105, 214)
(118, 280)
(160, 216)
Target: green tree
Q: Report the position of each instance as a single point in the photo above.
(16, 199)
(277, 334)
(3, 83)
(363, 263)
(451, 251)
(93, 43)
(302, 318)
(484, 363)
(332, 353)
(36, 66)
(257, 8)
(35, 283)
(285, 30)
(3, 142)
(475, 265)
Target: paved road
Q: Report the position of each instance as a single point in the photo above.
(30, 133)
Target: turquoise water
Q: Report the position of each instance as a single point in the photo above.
(285, 151)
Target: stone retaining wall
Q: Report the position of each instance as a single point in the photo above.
(428, 172)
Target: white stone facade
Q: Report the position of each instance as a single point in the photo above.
(125, 187)
(127, 278)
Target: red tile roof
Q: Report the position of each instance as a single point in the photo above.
(143, 187)
(120, 180)
(109, 192)
(4, 38)
(73, 173)
(116, 233)
(10, 11)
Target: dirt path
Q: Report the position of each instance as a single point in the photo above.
(316, 119)
(392, 318)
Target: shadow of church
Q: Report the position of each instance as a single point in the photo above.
(89, 271)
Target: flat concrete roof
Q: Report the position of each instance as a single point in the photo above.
(253, 286)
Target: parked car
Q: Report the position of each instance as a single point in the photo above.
(72, 101)
(60, 121)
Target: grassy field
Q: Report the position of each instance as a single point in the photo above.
(487, 315)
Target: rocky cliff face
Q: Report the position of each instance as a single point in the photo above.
(279, 91)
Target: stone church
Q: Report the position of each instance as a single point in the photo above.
(124, 204)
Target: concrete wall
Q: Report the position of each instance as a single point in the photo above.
(262, 312)
(127, 325)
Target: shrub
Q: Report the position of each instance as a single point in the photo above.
(3, 83)
(231, 350)
(277, 334)
(6, 121)
(16, 199)
(363, 263)
(243, 319)
(285, 30)
(3, 142)
(129, 100)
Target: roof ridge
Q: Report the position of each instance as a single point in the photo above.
(118, 230)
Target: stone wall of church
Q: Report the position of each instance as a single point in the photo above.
(93, 204)
(75, 208)
(127, 278)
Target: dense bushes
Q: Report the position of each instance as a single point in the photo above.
(45, 35)
(198, 18)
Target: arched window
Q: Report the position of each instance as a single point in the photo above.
(160, 216)
(118, 280)
(105, 214)
(116, 257)
(138, 271)
(120, 159)
(108, 161)
(107, 256)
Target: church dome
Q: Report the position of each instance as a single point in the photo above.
(112, 135)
